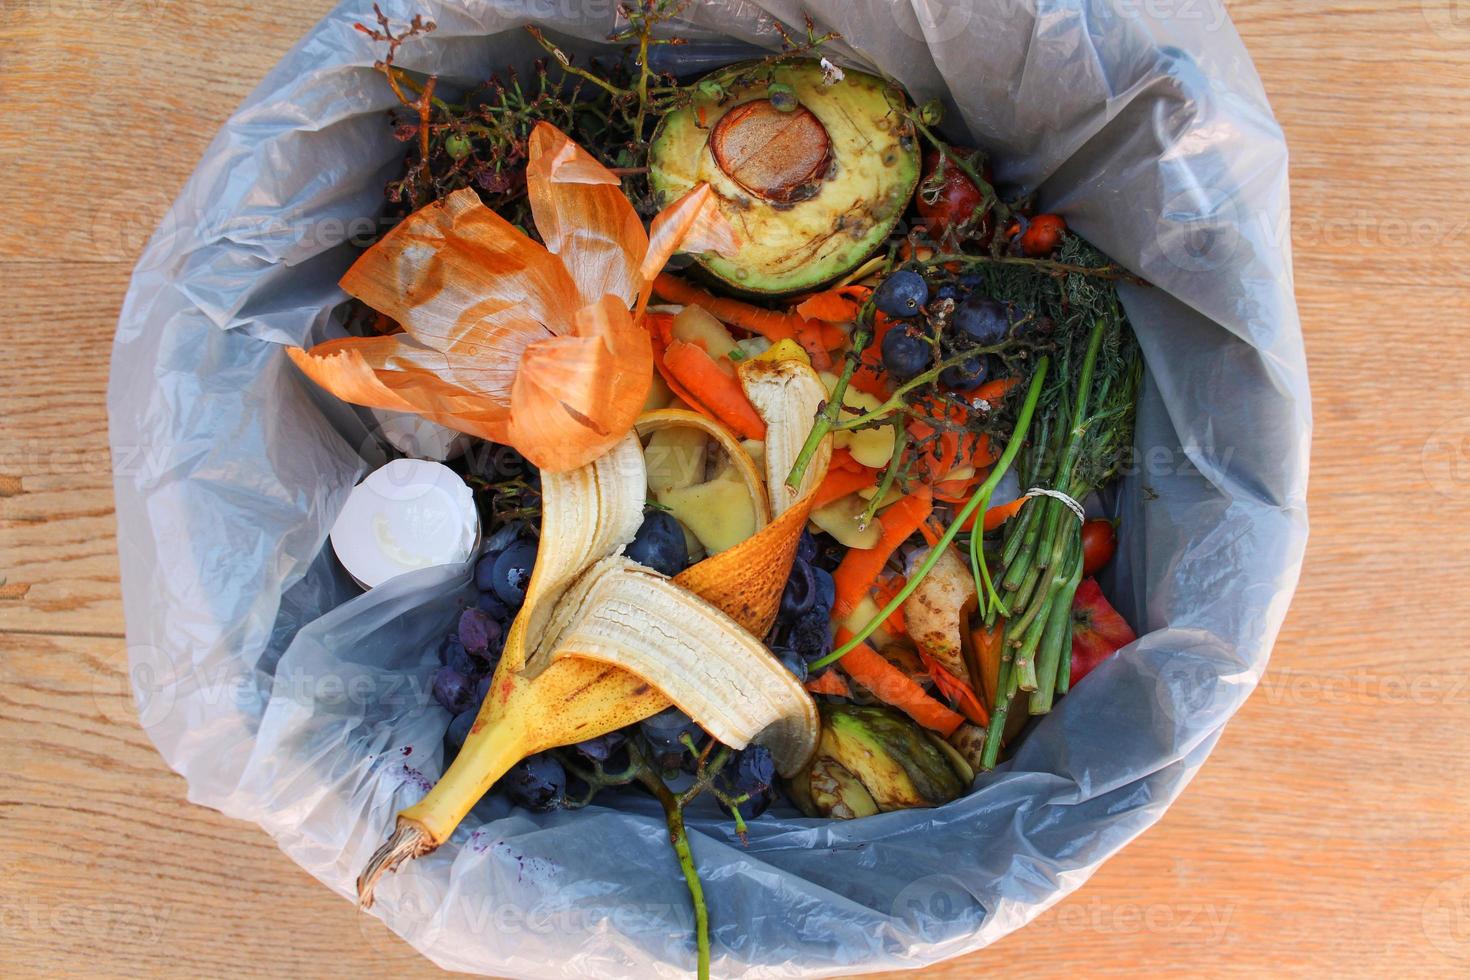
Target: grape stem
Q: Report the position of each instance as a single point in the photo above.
(674, 815)
(1013, 446)
(827, 418)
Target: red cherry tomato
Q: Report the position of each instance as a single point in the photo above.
(1099, 541)
(953, 204)
(1043, 235)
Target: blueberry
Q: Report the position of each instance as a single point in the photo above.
(485, 571)
(459, 729)
(453, 689)
(830, 552)
(967, 375)
(800, 591)
(659, 544)
(482, 688)
(810, 635)
(901, 294)
(537, 783)
(806, 546)
(981, 321)
(906, 352)
(513, 572)
(478, 632)
(826, 590)
(972, 280)
(948, 291)
(496, 609)
(792, 661)
(505, 536)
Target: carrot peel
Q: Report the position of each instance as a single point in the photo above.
(892, 686)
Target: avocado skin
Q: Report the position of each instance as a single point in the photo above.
(840, 220)
(873, 759)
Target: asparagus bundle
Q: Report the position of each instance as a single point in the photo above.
(1086, 426)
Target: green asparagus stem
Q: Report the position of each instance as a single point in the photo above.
(1058, 632)
(832, 410)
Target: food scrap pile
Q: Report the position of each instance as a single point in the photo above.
(799, 513)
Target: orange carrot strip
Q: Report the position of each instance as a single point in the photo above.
(839, 483)
(861, 567)
(716, 390)
(829, 305)
(987, 655)
(931, 533)
(829, 682)
(956, 690)
(892, 686)
(767, 323)
(984, 454)
(994, 391)
(998, 515)
(870, 377)
(887, 589)
(842, 460)
(660, 326)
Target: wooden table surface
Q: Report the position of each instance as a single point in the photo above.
(1326, 834)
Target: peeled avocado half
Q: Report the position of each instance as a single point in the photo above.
(811, 184)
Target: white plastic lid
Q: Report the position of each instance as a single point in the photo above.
(409, 514)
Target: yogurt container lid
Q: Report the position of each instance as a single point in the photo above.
(406, 515)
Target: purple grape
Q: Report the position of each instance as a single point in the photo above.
(666, 729)
(478, 632)
(826, 590)
(754, 776)
(792, 661)
(810, 635)
(800, 591)
(459, 730)
(453, 689)
(492, 606)
(453, 654)
(901, 294)
(603, 747)
(663, 733)
(907, 352)
(537, 783)
(755, 769)
(806, 547)
(659, 544)
(981, 320)
(485, 571)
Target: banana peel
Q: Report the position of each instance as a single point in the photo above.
(602, 643)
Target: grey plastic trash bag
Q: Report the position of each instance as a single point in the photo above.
(286, 698)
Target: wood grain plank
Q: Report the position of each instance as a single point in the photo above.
(57, 529)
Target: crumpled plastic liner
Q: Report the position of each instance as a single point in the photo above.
(286, 698)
